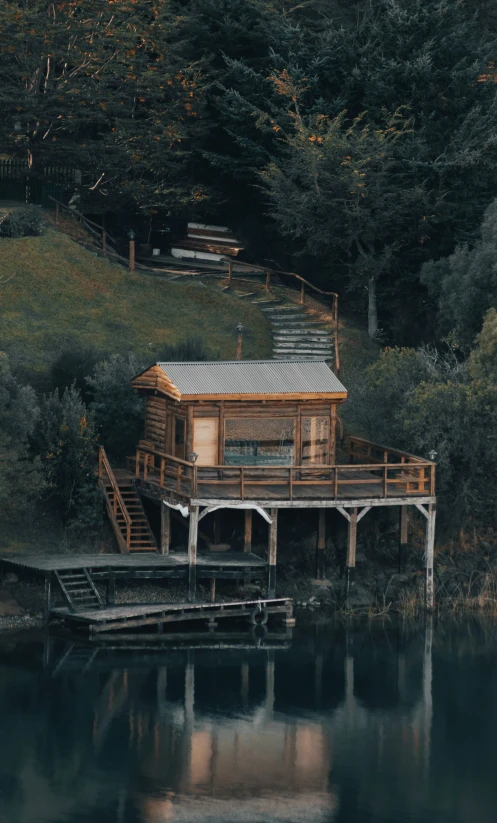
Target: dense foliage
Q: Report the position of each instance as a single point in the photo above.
(353, 141)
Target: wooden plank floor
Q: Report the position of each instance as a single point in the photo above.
(193, 610)
(122, 562)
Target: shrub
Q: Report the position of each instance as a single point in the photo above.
(26, 222)
(191, 350)
(116, 408)
(72, 367)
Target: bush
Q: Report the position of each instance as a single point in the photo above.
(26, 222)
(116, 408)
(191, 350)
(64, 439)
(72, 367)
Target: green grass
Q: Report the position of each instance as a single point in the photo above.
(54, 294)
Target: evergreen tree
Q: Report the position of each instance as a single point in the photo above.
(64, 438)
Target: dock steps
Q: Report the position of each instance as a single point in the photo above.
(85, 596)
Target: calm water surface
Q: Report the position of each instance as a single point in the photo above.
(372, 725)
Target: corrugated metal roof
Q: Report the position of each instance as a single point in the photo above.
(253, 377)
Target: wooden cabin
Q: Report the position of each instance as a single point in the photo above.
(243, 413)
(260, 436)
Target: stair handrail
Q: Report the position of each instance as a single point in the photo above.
(104, 465)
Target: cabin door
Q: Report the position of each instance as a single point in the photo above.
(205, 440)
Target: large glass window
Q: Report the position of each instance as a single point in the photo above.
(255, 441)
(315, 440)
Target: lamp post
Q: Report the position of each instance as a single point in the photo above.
(131, 237)
(239, 343)
(432, 455)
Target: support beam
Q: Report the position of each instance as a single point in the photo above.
(351, 547)
(321, 544)
(111, 588)
(165, 529)
(429, 557)
(48, 596)
(403, 533)
(247, 543)
(273, 538)
(192, 554)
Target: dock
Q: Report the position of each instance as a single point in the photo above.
(136, 616)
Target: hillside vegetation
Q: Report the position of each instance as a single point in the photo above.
(54, 294)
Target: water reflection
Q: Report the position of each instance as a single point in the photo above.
(336, 727)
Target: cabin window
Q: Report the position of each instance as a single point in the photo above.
(179, 437)
(255, 441)
(315, 440)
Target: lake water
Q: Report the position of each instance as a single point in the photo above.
(372, 724)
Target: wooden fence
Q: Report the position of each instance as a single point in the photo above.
(20, 183)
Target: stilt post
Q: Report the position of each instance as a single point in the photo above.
(247, 544)
(403, 546)
(273, 538)
(111, 588)
(165, 529)
(321, 544)
(48, 596)
(429, 555)
(351, 548)
(192, 554)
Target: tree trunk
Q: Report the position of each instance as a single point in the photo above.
(372, 308)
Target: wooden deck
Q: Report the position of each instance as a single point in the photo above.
(135, 566)
(114, 618)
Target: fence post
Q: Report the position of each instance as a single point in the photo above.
(302, 292)
(268, 279)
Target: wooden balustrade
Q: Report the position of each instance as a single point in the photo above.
(113, 497)
(387, 473)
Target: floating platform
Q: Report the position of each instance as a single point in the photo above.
(115, 618)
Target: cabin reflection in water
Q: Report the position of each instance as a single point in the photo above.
(253, 735)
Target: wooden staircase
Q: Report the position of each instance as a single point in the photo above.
(79, 590)
(125, 510)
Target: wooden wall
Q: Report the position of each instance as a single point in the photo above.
(161, 412)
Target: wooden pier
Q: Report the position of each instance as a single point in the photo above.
(131, 616)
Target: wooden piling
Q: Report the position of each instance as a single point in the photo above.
(351, 547)
(403, 534)
(192, 554)
(273, 538)
(165, 529)
(247, 544)
(111, 588)
(321, 543)
(48, 596)
(429, 555)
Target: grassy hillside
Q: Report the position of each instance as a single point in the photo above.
(54, 293)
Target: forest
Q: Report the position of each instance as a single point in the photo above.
(352, 141)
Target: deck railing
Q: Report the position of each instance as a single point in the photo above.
(390, 474)
(113, 500)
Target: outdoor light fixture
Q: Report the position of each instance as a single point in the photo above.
(239, 328)
(432, 455)
(193, 457)
(131, 234)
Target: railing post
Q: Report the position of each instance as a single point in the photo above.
(194, 482)
(302, 292)
(178, 478)
(230, 272)
(137, 463)
(385, 480)
(335, 488)
(268, 279)
(242, 483)
(162, 466)
(290, 483)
